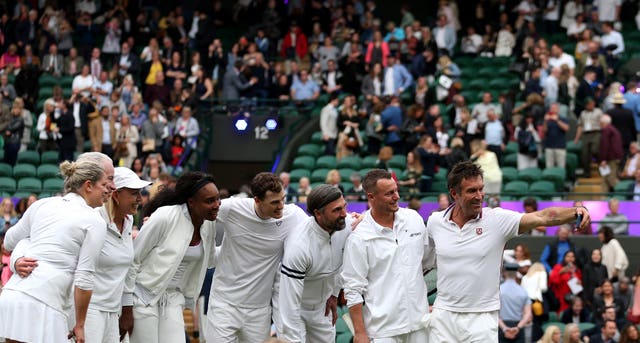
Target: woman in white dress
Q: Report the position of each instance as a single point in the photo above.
(66, 236)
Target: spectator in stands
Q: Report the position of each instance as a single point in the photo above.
(467, 128)
(633, 162)
(554, 129)
(10, 61)
(202, 86)
(559, 57)
(531, 205)
(7, 90)
(188, 128)
(411, 182)
(102, 132)
(103, 88)
(329, 124)
(624, 292)
(391, 119)
(157, 91)
(535, 283)
(355, 192)
(304, 188)
(623, 120)
(576, 313)
(304, 89)
(594, 60)
(586, 91)
(613, 42)
(47, 128)
(494, 134)
(606, 302)
(372, 85)
(294, 44)
(611, 150)
(607, 334)
(490, 166)
(29, 59)
(552, 334)
(73, 63)
(396, 77)
(593, 274)
(18, 105)
(349, 140)
(445, 36)
(13, 135)
(95, 63)
(554, 252)
(234, 83)
(618, 222)
(471, 44)
(152, 128)
(505, 42)
(560, 277)
(127, 138)
(515, 310)
(332, 78)
(629, 334)
(528, 143)
(327, 52)
(613, 255)
(577, 27)
(377, 51)
(53, 62)
(83, 83)
(414, 126)
(588, 132)
(424, 64)
(430, 158)
(571, 334)
(551, 87)
(480, 110)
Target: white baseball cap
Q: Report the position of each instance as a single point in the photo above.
(126, 178)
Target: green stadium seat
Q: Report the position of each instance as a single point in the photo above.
(297, 174)
(439, 186)
(345, 175)
(21, 170)
(344, 337)
(486, 72)
(30, 184)
(313, 150)
(7, 184)
(585, 326)
(319, 175)
(469, 95)
(530, 174)
(46, 171)
(516, 188)
(45, 92)
(6, 170)
(558, 324)
(556, 175)
(478, 84)
(353, 162)
(49, 157)
(316, 138)
(510, 160)
(430, 198)
(364, 171)
(53, 185)
(441, 174)
(328, 162)
(622, 187)
(47, 80)
(398, 161)
(571, 165)
(43, 195)
(304, 162)
(22, 194)
(346, 186)
(369, 162)
(29, 156)
(543, 189)
(573, 147)
(509, 174)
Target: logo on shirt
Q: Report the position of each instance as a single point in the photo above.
(415, 234)
(478, 231)
(278, 222)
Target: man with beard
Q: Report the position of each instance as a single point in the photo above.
(384, 261)
(309, 281)
(255, 230)
(468, 243)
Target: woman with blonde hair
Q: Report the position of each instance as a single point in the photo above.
(349, 140)
(571, 334)
(551, 335)
(488, 161)
(333, 178)
(9, 215)
(127, 137)
(33, 306)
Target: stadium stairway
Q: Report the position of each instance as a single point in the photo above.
(590, 188)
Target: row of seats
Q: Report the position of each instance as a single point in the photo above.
(308, 159)
(20, 170)
(35, 158)
(29, 185)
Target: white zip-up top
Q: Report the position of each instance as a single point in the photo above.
(66, 236)
(251, 252)
(470, 258)
(113, 265)
(158, 251)
(383, 268)
(309, 273)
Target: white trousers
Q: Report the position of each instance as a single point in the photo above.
(457, 327)
(317, 327)
(162, 322)
(229, 324)
(101, 327)
(418, 336)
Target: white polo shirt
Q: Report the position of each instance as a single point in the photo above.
(469, 259)
(383, 268)
(251, 252)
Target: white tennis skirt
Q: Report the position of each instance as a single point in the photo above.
(26, 319)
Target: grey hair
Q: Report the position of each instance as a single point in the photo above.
(605, 118)
(88, 167)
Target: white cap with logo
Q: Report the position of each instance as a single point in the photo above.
(126, 178)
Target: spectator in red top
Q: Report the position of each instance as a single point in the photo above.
(560, 276)
(611, 150)
(377, 51)
(294, 44)
(177, 149)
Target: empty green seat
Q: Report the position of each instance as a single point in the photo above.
(510, 160)
(441, 174)
(353, 162)
(556, 175)
(328, 162)
(6, 170)
(439, 186)
(22, 194)
(398, 161)
(304, 162)
(53, 185)
(45, 92)
(364, 171)
(571, 165)
(49, 157)
(530, 174)
(543, 189)
(29, 156)
(516, 188)
(345, 174)
(558, 324)
(477, 85)
(509, 174)
(47, 80)
(319, 175)
(46, 171)
(573, 147)
(24, 170)
(369, 162)
(622, 188)
(486, 72)
(313, 150)
(30, 184)
(316, 138)
(7, 184)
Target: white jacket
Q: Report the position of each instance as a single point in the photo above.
(383, 268)
(309, 274)
(158, 251)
